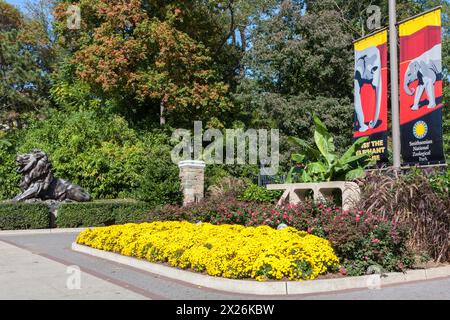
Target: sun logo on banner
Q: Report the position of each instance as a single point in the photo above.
(420, 130)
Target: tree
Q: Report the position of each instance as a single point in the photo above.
(39, 34)
(299, 63)
(141, 51)
(26, 57)
(354, 14)
(21, 83)
(10, 17)
(237, 17)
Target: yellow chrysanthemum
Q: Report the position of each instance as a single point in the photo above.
(230, 251)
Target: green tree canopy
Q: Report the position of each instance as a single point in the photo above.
(160, 56)
(26, 60)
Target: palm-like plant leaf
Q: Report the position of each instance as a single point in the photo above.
(317, 168)
(323, 130)
(352, 150)
(323, 164)
(5, 143)
(355, 174)
(324, 146)
(311, 153)
(298, 158)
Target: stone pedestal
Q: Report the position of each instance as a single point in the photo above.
(192, 175)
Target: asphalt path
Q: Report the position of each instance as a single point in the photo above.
(129, 283)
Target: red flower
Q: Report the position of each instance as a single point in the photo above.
(358, 217)
(375, 241)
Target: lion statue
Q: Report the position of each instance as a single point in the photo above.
(38, 181)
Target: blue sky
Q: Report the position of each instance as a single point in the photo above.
(18, 3)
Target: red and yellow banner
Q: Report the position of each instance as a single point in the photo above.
(371, 79)
(421, 89)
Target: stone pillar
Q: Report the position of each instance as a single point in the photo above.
(192, 175)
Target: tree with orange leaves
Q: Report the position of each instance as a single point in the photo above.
(141, 51)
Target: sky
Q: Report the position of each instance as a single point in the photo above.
(18, 3)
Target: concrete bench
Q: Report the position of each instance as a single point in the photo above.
(295, 193)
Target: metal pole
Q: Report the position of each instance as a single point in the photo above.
(394, 84)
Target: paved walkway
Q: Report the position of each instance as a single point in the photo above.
(24, 275)
(35, 266)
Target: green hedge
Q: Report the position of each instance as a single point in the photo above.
(24, 216)
(100, 213)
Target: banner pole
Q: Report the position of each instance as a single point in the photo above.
(393, 40)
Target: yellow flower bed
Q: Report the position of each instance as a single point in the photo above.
(230, 251)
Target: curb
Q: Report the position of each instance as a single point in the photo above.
(40, 231)
(270, 287)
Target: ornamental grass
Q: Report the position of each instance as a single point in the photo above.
(230, 251)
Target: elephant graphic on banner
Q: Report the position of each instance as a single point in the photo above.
(367, 70)
(427, 68)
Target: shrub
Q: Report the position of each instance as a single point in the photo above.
(229, 251)
(440, 182)
(9, 178)
(228, 187)
(100, 213)
(412, 199)
(159, 182)
(100, 152)
(359, 238)
(322, 163)
(204, 211)
(95, 150)
(24, 216)
(215, 173)
(260, 194)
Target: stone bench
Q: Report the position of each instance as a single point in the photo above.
(295, 193)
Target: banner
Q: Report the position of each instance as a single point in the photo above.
(421, 90)
(371, 79)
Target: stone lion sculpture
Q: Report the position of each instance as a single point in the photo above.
(38, 181)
